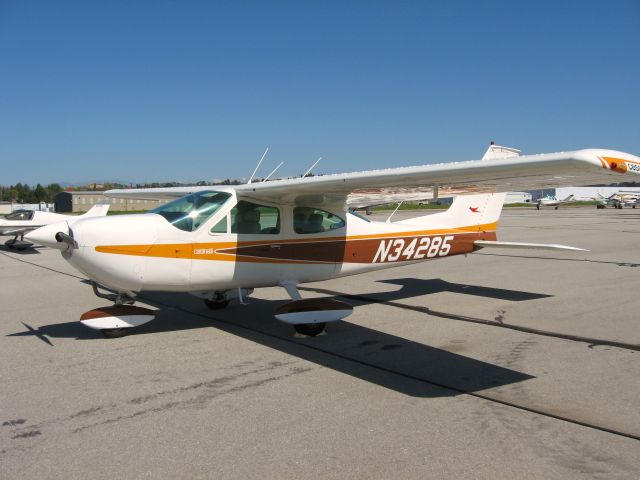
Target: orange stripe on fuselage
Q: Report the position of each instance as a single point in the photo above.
(215, 250)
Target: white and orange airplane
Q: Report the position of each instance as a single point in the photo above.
(222, 242)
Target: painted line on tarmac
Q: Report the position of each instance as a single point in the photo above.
(492, 323)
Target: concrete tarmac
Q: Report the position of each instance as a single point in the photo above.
(499, 365)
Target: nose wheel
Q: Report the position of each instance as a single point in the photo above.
(117, 320)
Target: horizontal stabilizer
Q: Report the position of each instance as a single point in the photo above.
(531, 246)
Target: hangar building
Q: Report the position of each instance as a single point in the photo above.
(82, 201)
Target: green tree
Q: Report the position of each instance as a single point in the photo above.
(40, 193)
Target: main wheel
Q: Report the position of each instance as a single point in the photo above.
(310, 329)
(114, 332)
(556, 208)
(213, 305)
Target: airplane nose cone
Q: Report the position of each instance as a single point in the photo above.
(48, 235)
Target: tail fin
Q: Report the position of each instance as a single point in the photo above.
(481, 209)
(96, 211)
(497, 151)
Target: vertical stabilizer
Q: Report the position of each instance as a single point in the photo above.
(480, 209)
(497, 151)
(476, 209)
(97, 211)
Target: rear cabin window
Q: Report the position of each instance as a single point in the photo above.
(312, 220)
(251, 218)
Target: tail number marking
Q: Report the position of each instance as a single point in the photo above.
(392, 250)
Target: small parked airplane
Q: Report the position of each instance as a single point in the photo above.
(553, 201)
(22, 221)
(221, 242)
(618, 200)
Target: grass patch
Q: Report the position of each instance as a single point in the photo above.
(124, 212)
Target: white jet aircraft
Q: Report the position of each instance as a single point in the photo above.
(221, 242)
(553, 201)
(22, 221)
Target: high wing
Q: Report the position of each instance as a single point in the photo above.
(581, 167)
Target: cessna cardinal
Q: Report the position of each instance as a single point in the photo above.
(22, 221)
(220, 243)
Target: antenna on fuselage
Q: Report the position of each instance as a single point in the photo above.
(258, 166)
(273, 171)
(309, 171)
(392, 213)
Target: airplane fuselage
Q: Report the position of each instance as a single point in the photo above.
(164, 259)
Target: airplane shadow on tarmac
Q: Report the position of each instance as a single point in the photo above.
(380, 358)
(25, 251)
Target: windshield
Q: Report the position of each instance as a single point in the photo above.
(188, 213)
(20, 215)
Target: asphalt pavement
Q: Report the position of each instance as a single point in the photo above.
(498, 365)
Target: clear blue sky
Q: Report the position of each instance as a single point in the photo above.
(190, 90)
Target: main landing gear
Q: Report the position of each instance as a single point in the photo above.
(310, 329)
(219, 301)
(310, 316)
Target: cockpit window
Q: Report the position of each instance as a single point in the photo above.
(188, 213)
(313, 220)
(20, 215)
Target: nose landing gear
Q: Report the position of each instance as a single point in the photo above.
(18, 244)
(116, 321)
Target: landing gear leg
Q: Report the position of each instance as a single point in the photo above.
(17, 244)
